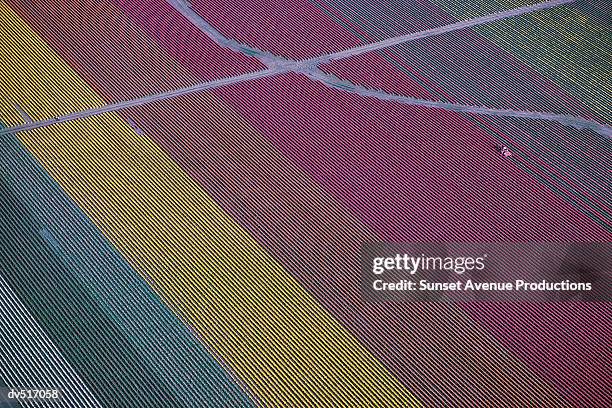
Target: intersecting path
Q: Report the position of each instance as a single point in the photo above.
(276, 65)
(310, 67)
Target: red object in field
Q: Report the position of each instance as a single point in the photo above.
(504, 151)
